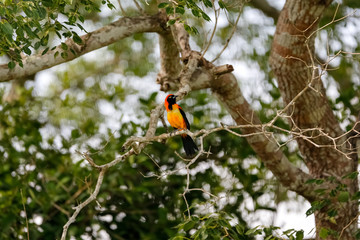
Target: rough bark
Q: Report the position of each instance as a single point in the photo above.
(298, 78)
(102, 37)
(170, 60)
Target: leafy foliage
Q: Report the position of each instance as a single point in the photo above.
(180, 8)
(27, 26)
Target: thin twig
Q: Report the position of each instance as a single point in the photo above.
(348, 225)
(231, 35)
(138, 6)
(216, 13)
(121, 8)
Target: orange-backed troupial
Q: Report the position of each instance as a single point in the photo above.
(177, 119)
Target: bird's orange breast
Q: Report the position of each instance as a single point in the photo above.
(175, 118)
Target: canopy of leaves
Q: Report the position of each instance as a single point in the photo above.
(27, 26)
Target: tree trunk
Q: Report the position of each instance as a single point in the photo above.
(310, 113)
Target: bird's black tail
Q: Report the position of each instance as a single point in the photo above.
(189, 145)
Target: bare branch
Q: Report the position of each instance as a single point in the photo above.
(216, 13)
(182, 40)
(104, 36)
(79, 207)
(138, 6)
(227, 68)
(123, 12)
(231, 34)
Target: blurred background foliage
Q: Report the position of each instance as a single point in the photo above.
(96, 102)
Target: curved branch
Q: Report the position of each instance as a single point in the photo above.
(263, 143)
(102, 37)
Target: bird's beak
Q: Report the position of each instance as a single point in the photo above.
(175, 96)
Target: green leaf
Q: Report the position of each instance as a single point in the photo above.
(7, 28)
(81, 18)
(64, 46)
(111, 6)
(320, 191)
(195, 12)
(77, 39)
(169, 10)
(58, 34)
(81, 27)
(317, 205)
(26, 50)
(332, 213)
(343, 196)
(300, 235)
(252, 231)
(207, 3)
(73, 51)
(42, 12)
(187, 28)
(37, 45)
(289, 231)
(75, 133)
(189, 225)
(356, 196)
(163, 5)
(221, 4)
(352, 175)
(323, 233)
(45, 51)
(44, 40)
(180, 10)
(30, 32)
(171, 22)
(28, 12)
(310, 181)
(11, 64)
(205, 16)
(319, 181)
(20, 32)
(194, 30)
(64, 55)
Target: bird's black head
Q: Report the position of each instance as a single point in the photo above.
(169, 101)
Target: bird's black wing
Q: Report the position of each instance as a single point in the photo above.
(185, 118)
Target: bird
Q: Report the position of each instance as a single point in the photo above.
(178, 120)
